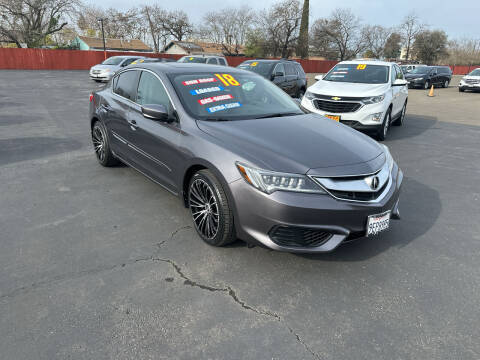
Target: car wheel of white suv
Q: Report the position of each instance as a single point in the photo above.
(399, 121)
(382, 133)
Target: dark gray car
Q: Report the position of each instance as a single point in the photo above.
(244, 158)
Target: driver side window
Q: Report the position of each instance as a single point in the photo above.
(151, 91)
(279, 69)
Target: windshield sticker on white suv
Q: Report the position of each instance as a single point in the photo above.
(224, 107)
(215, 99)
(199, 81)
(206, 90)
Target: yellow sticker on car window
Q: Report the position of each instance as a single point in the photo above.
(361, 66)
(191, 59)
(254, 64)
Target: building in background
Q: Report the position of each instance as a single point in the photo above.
(200, 47)
(93, 43)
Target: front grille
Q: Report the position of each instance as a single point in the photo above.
(96, 71)
(358, 195)
(472, 81)
(337, 107)
(294, 236)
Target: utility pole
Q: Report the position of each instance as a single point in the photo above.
(103, 36)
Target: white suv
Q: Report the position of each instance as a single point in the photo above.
(366, 95)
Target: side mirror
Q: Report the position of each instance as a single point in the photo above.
(400, 82)
(319, 77)
(155, 112)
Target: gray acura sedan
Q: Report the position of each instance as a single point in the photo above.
(244, 158)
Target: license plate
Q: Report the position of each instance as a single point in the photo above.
(333, 117)
(378, 223)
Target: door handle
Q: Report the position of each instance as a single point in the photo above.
(107, 108)
(133, 124)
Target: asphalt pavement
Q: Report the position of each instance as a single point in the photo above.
(100, 263)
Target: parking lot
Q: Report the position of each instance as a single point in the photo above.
(101, 263)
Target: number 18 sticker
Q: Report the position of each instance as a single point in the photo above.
(227, 79)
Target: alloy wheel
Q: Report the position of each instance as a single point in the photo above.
(427, 85)
(386, 125)
(98, 143)
(204, 208)
(446, 84)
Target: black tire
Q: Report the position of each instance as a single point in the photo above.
(215, 230)
(446, 83)
(101, 145)
(382, 132)
(401, 119)
(300, 93)
(427, 85)
(461, 89)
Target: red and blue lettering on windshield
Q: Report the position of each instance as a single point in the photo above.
(207, 90)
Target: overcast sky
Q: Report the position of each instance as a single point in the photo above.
(459, 18)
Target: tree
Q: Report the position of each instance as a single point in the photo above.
(31, 21)
(463, 52)
(430, 46)
(302, 47)
(376, 38)
(153, 16)
(228, 27)
(177, 24)
(409, 29)
(393, 46)
(342, 31)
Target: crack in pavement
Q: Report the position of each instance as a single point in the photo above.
(82, 273)
(231, 292)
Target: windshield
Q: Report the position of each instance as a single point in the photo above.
(231, 96)
(358, 73)
(475, 72)
(114, 60)
(193, 59)
(420, 70)
(405, 69)
(261, 68)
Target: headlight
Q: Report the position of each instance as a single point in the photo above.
(309, 95)
(373, 99)
(389, 157)
(270, 181)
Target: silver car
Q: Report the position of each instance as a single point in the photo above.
(244, 158)
(108, 68)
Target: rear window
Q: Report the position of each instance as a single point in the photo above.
(193, 59)
(222, 61)
(300, 70)
(260, 67)
(126, 85)
(290, 70)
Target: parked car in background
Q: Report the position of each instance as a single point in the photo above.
(410, 67)
(470, 81)
(108, 68)
(286, 74)
(204, 59)
(152, 60)
(426, 76)
(366, 95)
(244, 158)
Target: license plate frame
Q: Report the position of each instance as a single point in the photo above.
(378, 223)
(333, 117)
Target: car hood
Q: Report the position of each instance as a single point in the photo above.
(104, 67)
(471, 77)
(332, 88)
(297, 144)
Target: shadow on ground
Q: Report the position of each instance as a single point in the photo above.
(420, 207)
(414, 125)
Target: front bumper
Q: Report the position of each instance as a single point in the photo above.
(258, 213)
(101, 76)
(469, 86)
(363, 116)
(416, 83)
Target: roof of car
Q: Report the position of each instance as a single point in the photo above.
(368, 62)
(176, 67)
(271, 60)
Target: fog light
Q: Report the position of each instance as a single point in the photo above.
(377, 117)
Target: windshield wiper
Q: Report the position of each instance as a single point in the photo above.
(278, 115)
(216, 119)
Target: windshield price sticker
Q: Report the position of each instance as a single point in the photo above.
(340, 72)
(215, 99)
(227, 79)
(361, 66)
(224, 107)
(199, 81)
(206, 90)
(254, 64)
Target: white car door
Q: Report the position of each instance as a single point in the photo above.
(396, 98)
(403, 90)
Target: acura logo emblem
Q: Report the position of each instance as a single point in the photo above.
(373, 182)
(336, 98)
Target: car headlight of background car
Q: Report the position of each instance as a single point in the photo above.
(271, 181)
(373, 99)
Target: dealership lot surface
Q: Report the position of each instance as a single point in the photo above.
(101, 263)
